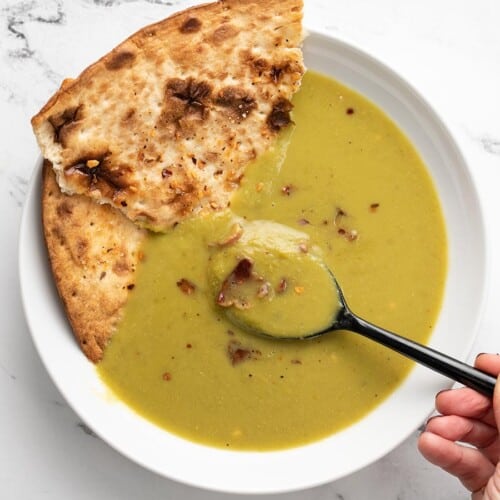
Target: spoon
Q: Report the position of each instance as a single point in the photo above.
(249, 300)
(450, 367)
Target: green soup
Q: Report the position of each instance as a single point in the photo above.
(357, 191)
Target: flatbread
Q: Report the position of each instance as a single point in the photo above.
(94, 251)
(159, 129)
(164, 125)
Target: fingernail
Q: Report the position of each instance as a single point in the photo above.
(441, 392)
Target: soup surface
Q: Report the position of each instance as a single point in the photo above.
(354, 186)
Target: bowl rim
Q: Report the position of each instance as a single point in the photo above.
(283, 479)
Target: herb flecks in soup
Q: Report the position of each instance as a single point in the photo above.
(353, 184)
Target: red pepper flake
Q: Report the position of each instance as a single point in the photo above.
(374, 206)
(287, 190)
(167, 376)
(349, 235)
(188, 346)
(296, 362)
(303, 222)
(243, 270)
(238, 353)
(282, 286)
(241, 273)
(339, 213)
(186, 286)
(349, 111)
(166, 172)
(131, 286)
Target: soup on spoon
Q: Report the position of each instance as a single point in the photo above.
(272, 282)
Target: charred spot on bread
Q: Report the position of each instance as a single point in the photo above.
(64, 209)
(185, 197)
(119, 60)
(191, 25)
(129, 116)
(186, 96)
(279, 117)
(278, 70)
(259, 65)
(224, 32)
(100, 173)
(193, 92)
(62, 122)
(238, 101)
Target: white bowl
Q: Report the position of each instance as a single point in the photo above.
(344, 452)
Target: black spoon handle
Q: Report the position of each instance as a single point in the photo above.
(437, 361)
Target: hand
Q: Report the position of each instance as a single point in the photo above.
(468, 417)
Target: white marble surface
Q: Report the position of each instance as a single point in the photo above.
(449, 50)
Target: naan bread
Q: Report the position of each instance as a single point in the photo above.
(163, 126)
(94, 251)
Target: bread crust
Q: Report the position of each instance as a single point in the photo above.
(94, 251)
(164, 125)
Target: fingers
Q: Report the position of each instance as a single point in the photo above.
(455, 428)
(469, 465)
(466, 402)
(467, 417)
(470, 431)
(489, 363)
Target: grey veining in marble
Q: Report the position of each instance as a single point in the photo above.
(19, 15)
(491, 145)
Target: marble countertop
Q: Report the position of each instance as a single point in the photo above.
(448, 49)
